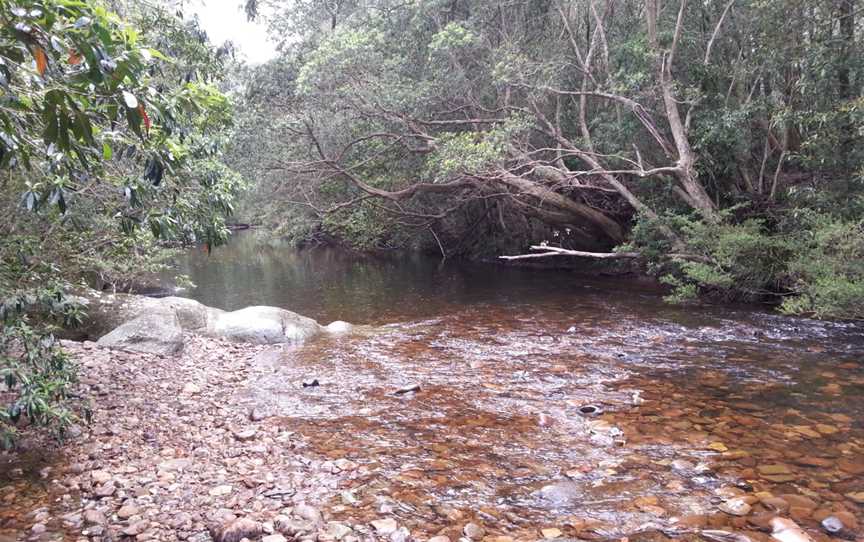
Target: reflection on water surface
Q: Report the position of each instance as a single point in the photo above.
(700, 404)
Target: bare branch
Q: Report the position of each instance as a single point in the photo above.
(547, 251)
(716, 32)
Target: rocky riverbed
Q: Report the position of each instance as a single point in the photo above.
(327, 442)
(169, 456)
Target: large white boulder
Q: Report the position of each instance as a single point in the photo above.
(263, 325)
(154, 332)
(123, 320)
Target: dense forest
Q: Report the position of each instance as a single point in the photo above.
(716, 145)
(716, 142)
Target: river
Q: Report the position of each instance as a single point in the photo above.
(548, 400)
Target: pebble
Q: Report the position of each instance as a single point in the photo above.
(832, 525)
(105, 490)
(473, 531)
(411, 388)
(136, 528)
(736, 507)
(94, 517)
(100, 476)
(274, 538)
(385, 526)
(338, 531)
(786, 530)
(191, 389)
(245, 435)
(127, 511)
(309, 513)
(551, 533)
(220, 491)
(400, 535)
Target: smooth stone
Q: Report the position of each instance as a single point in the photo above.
(385, 526)
(411, 388)
(339, 327)
(473, 531)
(191, 389)
(246, 435)
(105, 490)
(220, 491)
(136, 528)
(735, 507)
(309, 513)
(94, 517)
(786, 530)
(833, 525)
(400, 535)
(562, 492)
(550, 533)
(236, 530)
(274, 538)
(100, 476)
(857, 497)
(127, 511)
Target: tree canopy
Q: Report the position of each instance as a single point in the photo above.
(111, 131)
(717, 142)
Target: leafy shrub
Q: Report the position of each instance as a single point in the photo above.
(813, 260)
(36, 374)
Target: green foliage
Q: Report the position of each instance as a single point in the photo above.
(36, 374)
(393, 96)
(109, 153)
(827, 270)
(812, 259)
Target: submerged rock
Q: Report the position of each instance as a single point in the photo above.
(786, 530)
(561, 493)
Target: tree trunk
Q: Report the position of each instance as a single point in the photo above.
(581, 213)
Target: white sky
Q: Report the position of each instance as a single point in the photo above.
(225, 20)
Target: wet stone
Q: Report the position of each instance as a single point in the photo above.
(385, 526)
(736, 507)
(473, 531)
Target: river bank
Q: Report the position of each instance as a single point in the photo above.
(169, 455)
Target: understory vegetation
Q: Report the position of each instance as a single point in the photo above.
(717, 144)
(111, 129)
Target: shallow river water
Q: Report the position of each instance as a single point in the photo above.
(542, 399)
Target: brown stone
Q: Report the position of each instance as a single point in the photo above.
(693, 521)
(800, 501)
(776, 503)
(810, 461)
(847, 519)
(799, 513)
(852, 466)
(821, 514)
(773, 470)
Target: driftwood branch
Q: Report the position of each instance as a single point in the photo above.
(544, 251)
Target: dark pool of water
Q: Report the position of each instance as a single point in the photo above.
(505, 359)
